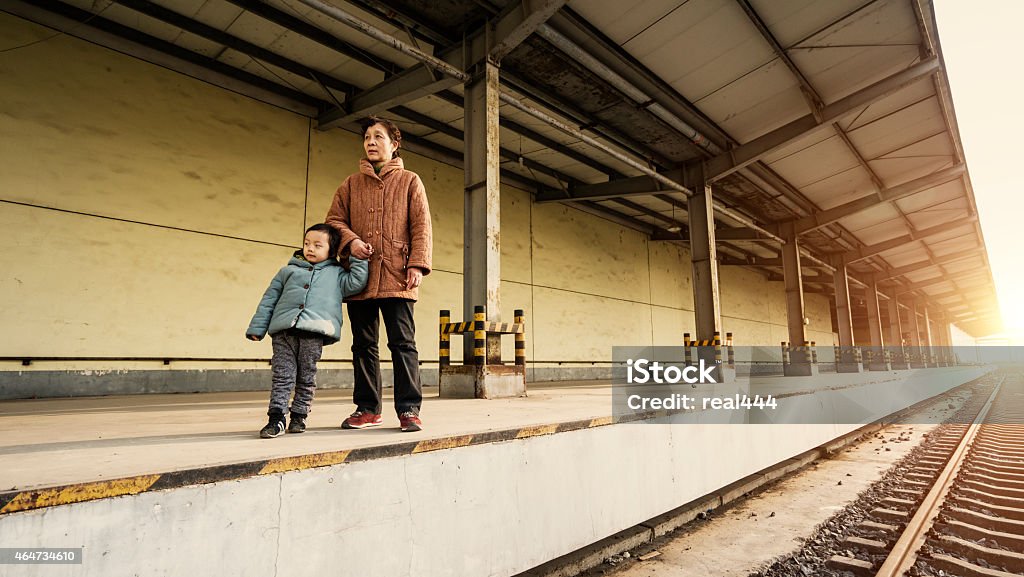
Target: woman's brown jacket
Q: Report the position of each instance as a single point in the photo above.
(390, 212)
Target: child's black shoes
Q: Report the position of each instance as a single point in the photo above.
(274, 427)
(297, 424)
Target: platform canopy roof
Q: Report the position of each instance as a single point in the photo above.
(828, 119)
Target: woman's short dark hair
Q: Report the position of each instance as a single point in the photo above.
(333, 238)
(391, 127)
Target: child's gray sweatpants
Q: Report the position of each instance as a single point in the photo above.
(294, 367)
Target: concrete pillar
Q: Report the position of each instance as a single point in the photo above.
(917, 358)
(846, 362)
(707, 306)
(878, 361)
(482, 252)
(899, 359)
(799, 358)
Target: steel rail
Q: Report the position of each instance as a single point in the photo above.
(904, 551)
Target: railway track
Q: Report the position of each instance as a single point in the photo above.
(959, 507)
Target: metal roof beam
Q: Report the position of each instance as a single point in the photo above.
(289, 22)
(872, 250)
(963, 275)
(621, 187)
(921, 265)
(558, 147)
(745, 154)
(826, 217)
(407, 86)
(517, 25)
(673, 223)
(138, 44)
(740, 233)
(393, 12)
(212, 34)
(506, 153)
(810, 94)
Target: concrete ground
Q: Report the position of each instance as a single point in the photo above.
(743, 537)
(51, 442)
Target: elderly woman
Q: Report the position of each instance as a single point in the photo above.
(382, 215)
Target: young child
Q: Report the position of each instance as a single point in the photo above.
(302, 312)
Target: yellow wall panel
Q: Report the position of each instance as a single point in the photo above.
(747, 332)
(577, 251)
(671, 274)
(87, 129)
(669, 324)
(85, 286)
(575, 327)
(744, 293)
(515, 235)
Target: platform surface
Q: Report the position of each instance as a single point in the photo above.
(54, 442)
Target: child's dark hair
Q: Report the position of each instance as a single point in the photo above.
(391, 127)
(333, 238)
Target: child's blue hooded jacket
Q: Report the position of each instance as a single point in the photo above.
(308, 297)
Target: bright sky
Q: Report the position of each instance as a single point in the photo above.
(980, 44)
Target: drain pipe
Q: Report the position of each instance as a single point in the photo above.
(443, 67)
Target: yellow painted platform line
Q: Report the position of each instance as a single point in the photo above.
(304, 462)
(78, 493)
(601, 421)
(443, 443)
(536, 430)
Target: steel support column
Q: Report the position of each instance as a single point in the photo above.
(704, 256)
(899, 358)
(799, 357)
(916, 353)
(707, 306)
(846, 361)
(941, 345)
(482, 157)
(926, 339)
(878, 361)
(948, 330)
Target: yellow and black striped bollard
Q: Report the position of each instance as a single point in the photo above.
(814, 352)
(479, 336)
(732, 352)
(686, 349)
(444, 350)
(717, 343)
(520, 319)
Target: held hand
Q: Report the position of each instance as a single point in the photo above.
(361, 249)
(413, 278)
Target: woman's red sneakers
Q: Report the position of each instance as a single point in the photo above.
(361, 420)
(410, 422)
